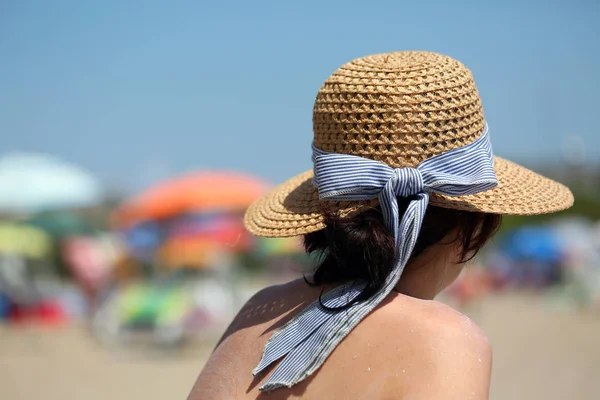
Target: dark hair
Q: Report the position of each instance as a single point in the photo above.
(361, 247)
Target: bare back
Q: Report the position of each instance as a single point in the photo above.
(405, 349)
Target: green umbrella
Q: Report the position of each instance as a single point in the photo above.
(61, 225)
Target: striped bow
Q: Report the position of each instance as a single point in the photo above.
(311, 336)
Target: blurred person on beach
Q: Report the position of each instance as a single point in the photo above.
(404, 190)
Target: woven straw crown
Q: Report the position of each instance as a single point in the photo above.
(398, 108)
(401, 109)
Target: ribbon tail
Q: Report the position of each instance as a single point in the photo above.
(287, 372)
(411, 226)
(389, 208)
(304, 324)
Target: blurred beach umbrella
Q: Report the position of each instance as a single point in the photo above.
(142, 240)
(533, 243)
(194, 192)
(226, 228)
(188, 253)
(180, 252)
(149, 305)
(24, 241)
(91, 258)
(31, 183)
(189, 240)
(61, 224)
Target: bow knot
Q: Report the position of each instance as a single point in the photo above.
(406, 182)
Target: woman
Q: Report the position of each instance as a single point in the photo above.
(404, 190)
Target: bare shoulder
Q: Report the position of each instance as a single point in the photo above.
(449, 355)
(438, 322)
(450, 326)
(460, 353)
(280, 296)
(267, 305)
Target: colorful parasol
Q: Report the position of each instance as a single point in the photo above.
(61, 224)
(23, 240)
(195, 240)
(195, 192)
(148, 304)
(31, 183)
(533, 243)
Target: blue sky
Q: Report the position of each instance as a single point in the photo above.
(136, 91)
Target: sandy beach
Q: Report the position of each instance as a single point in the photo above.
(539, 353)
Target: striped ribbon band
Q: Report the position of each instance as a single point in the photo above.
(308, 339)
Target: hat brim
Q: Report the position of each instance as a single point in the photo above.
(293, 208)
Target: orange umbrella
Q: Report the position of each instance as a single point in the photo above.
(188, 253)
(201, 191)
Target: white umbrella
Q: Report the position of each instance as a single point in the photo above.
(33, 182)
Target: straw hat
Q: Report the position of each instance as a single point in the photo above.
(400, 108)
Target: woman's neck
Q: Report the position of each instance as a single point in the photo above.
(429, 274)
